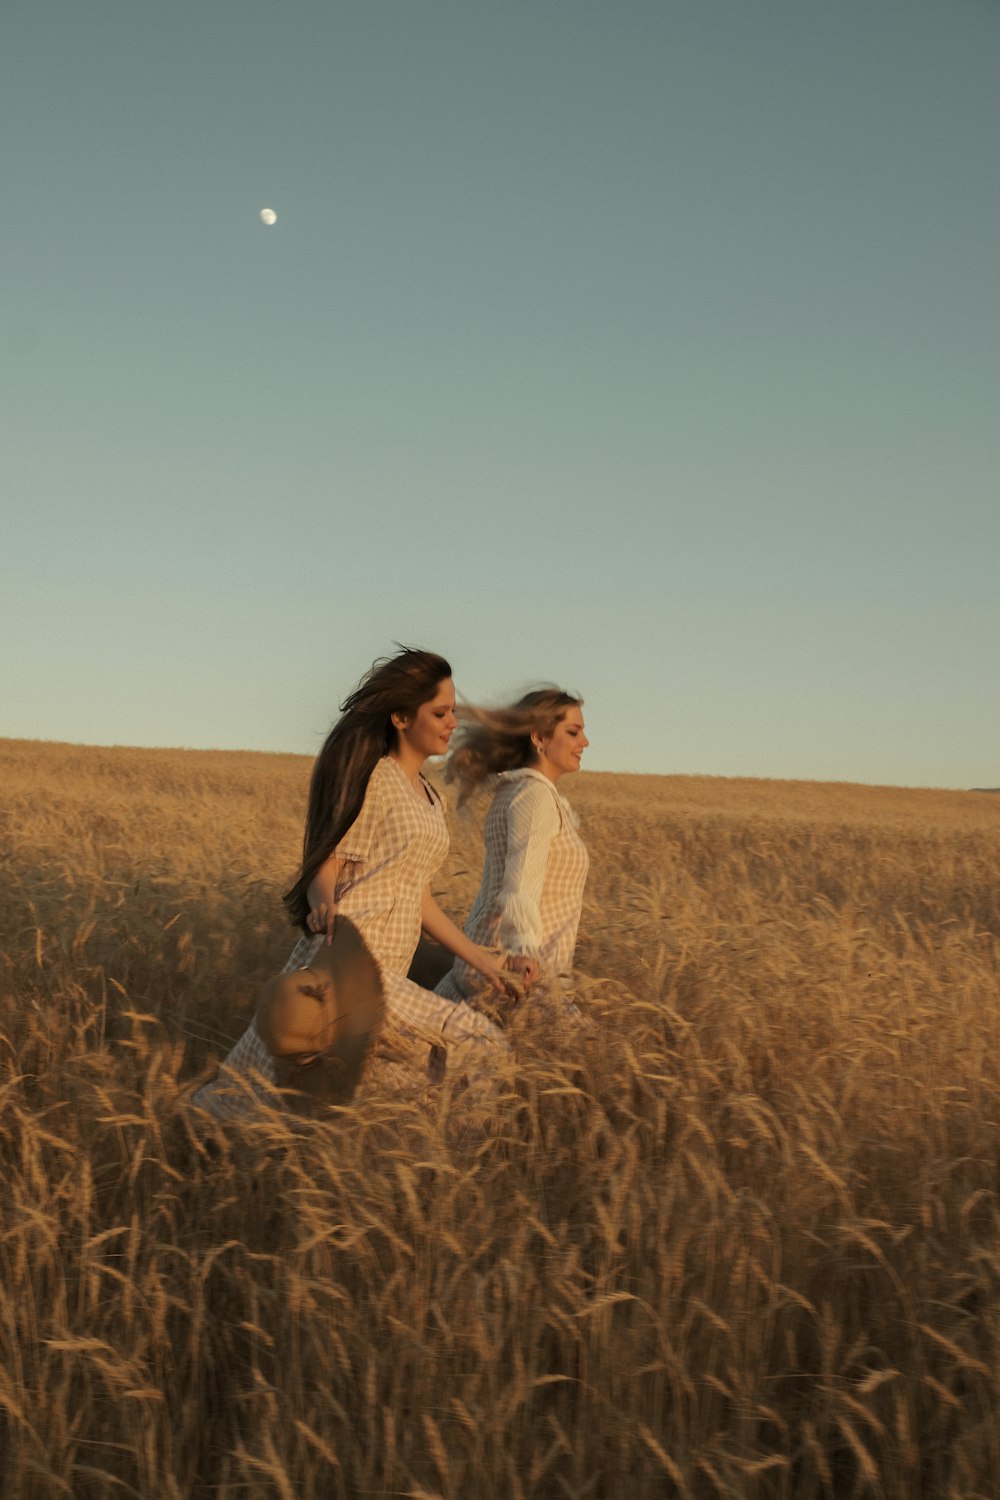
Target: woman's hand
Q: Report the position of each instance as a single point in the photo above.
(527, 968)
(321, 918)
(322, 910)
(493, 965)
(321, 896)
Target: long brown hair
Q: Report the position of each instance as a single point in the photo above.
(490, 740)
(356, 743)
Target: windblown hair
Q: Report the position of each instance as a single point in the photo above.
(490, 740)
(356, 743)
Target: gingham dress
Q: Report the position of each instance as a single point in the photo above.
(390, 853)
(534, 872)
(246, 1079)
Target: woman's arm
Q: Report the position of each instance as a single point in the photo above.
(322, 890)
(443, 930)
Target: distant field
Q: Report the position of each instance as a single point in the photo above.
(742, 1242)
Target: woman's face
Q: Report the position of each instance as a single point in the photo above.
(562, 750)
(433, 724)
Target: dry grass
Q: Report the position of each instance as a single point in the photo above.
(742, 1242)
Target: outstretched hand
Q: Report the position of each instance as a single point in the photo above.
(493, 967)
(527, 968)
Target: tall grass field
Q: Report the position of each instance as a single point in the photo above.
(738, 1235)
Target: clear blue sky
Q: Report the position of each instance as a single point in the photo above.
(651, 348)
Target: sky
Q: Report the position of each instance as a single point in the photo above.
(651, 348)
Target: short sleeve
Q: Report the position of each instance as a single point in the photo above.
(356, 845)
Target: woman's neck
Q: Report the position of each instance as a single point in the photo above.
(409, 762)
(549, 772)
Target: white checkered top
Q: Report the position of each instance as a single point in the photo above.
(534, 873)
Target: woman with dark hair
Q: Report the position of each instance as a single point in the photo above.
(375, 833)
(535, 867)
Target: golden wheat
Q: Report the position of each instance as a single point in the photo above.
(736, 1237)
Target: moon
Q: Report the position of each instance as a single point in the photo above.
(268, 216)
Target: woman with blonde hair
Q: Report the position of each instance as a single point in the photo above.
(375, 834)
(535, 866)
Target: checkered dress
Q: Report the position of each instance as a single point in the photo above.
(390, 853)
(534, 872)
(245, 1080)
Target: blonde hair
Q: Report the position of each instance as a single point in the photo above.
(490, 740)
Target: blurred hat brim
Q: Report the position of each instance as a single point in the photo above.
(319, 1023)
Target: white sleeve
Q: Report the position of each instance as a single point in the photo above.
(533, 821)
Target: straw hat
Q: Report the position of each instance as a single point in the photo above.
(319, 1022)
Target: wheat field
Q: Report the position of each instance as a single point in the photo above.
(738, 1237)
